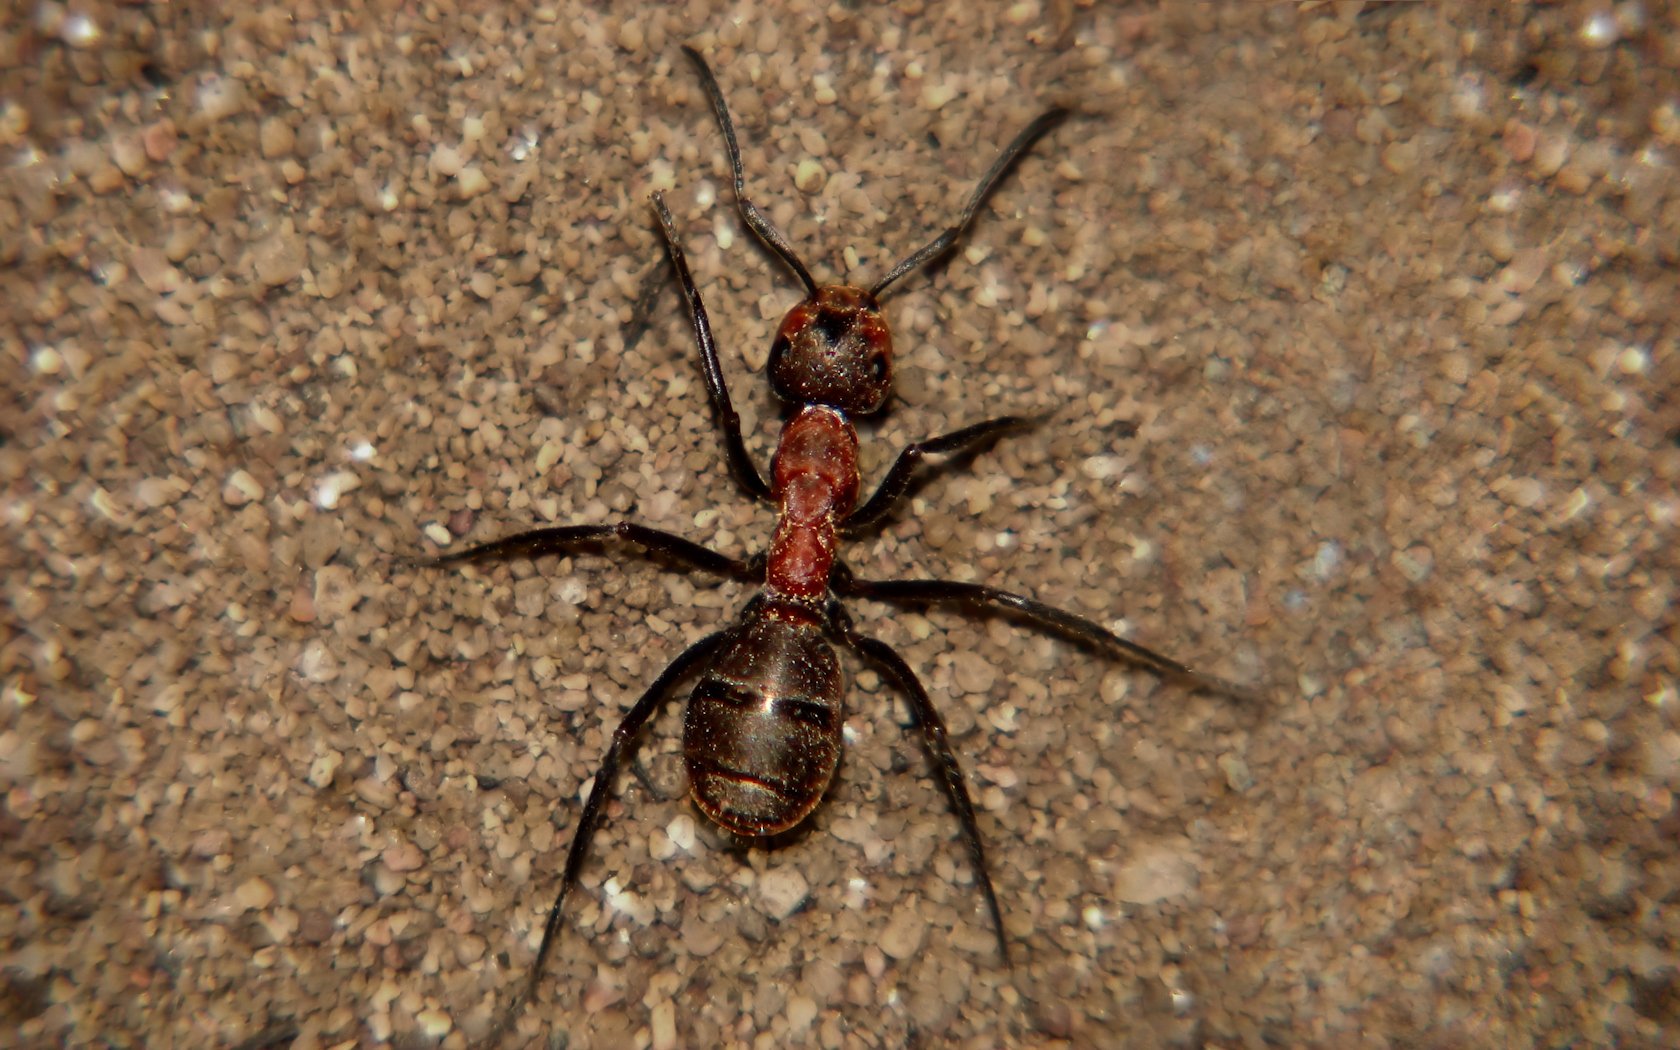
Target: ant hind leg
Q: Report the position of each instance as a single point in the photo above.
(623, 738)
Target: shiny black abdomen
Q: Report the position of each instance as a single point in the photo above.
(761, 736)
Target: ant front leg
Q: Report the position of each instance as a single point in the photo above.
(938, 745)
(897, 482)
(740, 464)
(1037, 614)
(623, 737)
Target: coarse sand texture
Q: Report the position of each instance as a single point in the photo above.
(1355, 332)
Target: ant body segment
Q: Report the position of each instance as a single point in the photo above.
(762, 732)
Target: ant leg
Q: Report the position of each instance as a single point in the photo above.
(740, 464)
(623, 736)
(938, 747)
(641, 311)
(562, 539)
(897, 481)
(942, 244)
(755, 220)
(1039, 615)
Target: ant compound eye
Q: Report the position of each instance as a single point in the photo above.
(878, 367)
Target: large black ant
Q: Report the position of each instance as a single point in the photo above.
(763, 728)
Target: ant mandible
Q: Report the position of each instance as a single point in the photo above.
(763, 727)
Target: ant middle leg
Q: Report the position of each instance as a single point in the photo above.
(563, 539)
(938, 745)
(1040, 615)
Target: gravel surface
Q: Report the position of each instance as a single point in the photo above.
(1357, 331)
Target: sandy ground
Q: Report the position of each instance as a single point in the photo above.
(1358, 327)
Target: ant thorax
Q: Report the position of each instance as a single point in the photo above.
(814, 478)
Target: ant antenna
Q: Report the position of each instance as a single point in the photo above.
(943, 244)
(937, 248)
(755, 220)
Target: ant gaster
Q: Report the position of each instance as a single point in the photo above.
(762, 731)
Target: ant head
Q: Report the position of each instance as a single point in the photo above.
(834, 349)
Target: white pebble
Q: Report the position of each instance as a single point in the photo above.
(241, 488)
(435, 1023)
(219, 97)
(936, 96)
(660, 847)
(446, 161)
(681, 831)
(472, 181)
(781, 892)
(801, 1011)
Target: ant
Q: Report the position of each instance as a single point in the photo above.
(762, 731)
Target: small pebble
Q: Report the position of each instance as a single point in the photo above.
(159, 140)
(280, 257)
(681, 831)
(241, 488)
(809, 176)
(801, 1011)
(129, 153)
(471, 181)
(435, 1024)
(1552, 151)
(153, 268)
(1155, 874)
(664, 1025)
(275, 137)
(781, 892)
(660, 846)
(219, 97)
(302, 607)
(403, 857)
(446, 161)
(470, 948)
(323, 767)
(1519, 141)
(973, 672)
(254, 894)
(387, 882)
(937, 96)
(700, 937)
(1237, 775)
(335, 592)
(904, 933)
